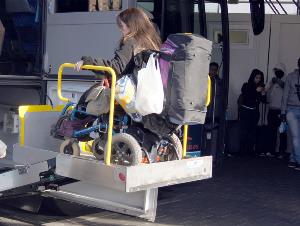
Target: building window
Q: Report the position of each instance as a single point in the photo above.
(236, 37)
(239, 37)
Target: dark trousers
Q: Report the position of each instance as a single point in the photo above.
(273, 124)
(248, 122)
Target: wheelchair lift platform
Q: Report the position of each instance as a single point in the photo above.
(133, 178)
(39, 167)
(129, 190)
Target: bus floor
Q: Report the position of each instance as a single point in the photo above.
(242, 192)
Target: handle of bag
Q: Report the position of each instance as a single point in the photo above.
(111, 103)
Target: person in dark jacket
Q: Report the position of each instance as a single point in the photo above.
(138, 34)
(214, 108)
(252, 94)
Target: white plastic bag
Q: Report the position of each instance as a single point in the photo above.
(150, 92)
(2, 149)
(98, 101)
(283, 127)
(125, 96)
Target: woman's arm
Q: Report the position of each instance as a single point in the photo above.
(244, 88)
(122, 57)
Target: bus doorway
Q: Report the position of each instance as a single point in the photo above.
(185, 16)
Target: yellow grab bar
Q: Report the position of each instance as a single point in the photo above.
(111, 103)
(185, 139)
(208, 97)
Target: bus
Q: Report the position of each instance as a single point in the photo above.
(39, 37)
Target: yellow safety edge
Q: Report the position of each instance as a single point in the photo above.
(86, 146)
(112, 98)
(32, 108)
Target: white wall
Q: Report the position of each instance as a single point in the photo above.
(284, 34)
(285, 41)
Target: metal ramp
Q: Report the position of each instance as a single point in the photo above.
(26, 168)
(129, 190)
(141, 204)
(134, 178)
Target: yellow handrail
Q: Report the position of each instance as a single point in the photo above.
(208, 97)
(111, 103)
(185, 139)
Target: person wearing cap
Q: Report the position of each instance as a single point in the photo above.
(290, 110)
(274, 95)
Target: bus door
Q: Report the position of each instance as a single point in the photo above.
(209, 19)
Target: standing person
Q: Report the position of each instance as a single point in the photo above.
(212, 119)
(274, 91)
(138, 34)
(252, 94)
(214, 108)
(290, 110)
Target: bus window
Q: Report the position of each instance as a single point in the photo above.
(171, 16)
(21, 52)
(67, 6)
(146, 5)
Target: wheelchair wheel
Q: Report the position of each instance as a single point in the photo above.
(70, 147)
(171, 148)
(125, 150)
(98, 148)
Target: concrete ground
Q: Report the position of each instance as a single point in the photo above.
(250, 191)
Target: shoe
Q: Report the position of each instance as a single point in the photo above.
(292, 164)
(297, 166)
(268, 154)
(280, 156)
(262, 154)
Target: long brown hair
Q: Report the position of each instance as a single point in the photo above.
(141, 29)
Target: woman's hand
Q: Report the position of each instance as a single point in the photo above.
(274, 80)
(78, 65)
(259, 89)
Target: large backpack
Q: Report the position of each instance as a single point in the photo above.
(184, 65)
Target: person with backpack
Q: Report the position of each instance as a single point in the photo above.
(274, 91)
(138, 34)
(253, 92)
(290, 112)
